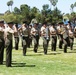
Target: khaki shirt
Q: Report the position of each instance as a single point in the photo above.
(25, 31)
(16, 32)
(1, 32)
(70, 34)
(64, 33)
(45, 31)
(34, 31)
(52, 30)
(8, 33)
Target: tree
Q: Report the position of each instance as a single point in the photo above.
(16, 10)
(12, 17)
(8, 4)
(11, 3)
(51, 16)
(45, 9)
(34, 12)
(75, 4)
(25, 11)
(46, 12)
(56, 15)
(72, 7)
(7, 12)
(9, 17)
(53, 2)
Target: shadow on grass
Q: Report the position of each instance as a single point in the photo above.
(30, 50)
(21, 65)
(40, 51)
(4, 62)
(71, 52)
(74, 49)
(53, 53)
(35, 55)
(60, 49)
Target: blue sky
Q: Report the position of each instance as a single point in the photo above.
(63, 5)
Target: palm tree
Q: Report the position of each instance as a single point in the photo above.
(53, 2)
(11, 3)
(45, 7)
(44, 11)
(75, 4)
(8, 4)
(72, 7)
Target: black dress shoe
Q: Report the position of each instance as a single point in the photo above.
(24, 54)
(8, 66)
(35, 50)
(1, 63)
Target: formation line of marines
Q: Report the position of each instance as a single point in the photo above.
(65, 34)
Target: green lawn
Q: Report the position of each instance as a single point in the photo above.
(54, 63)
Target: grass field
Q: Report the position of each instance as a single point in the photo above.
(54, 63)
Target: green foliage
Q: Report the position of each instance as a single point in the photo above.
(53, 2)
(1, 17)
(16, 10)
(71, 16)
(26, 13)
(75, 4)
(9, 17)
(10, 3)
(51, 16)
(12, 17)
